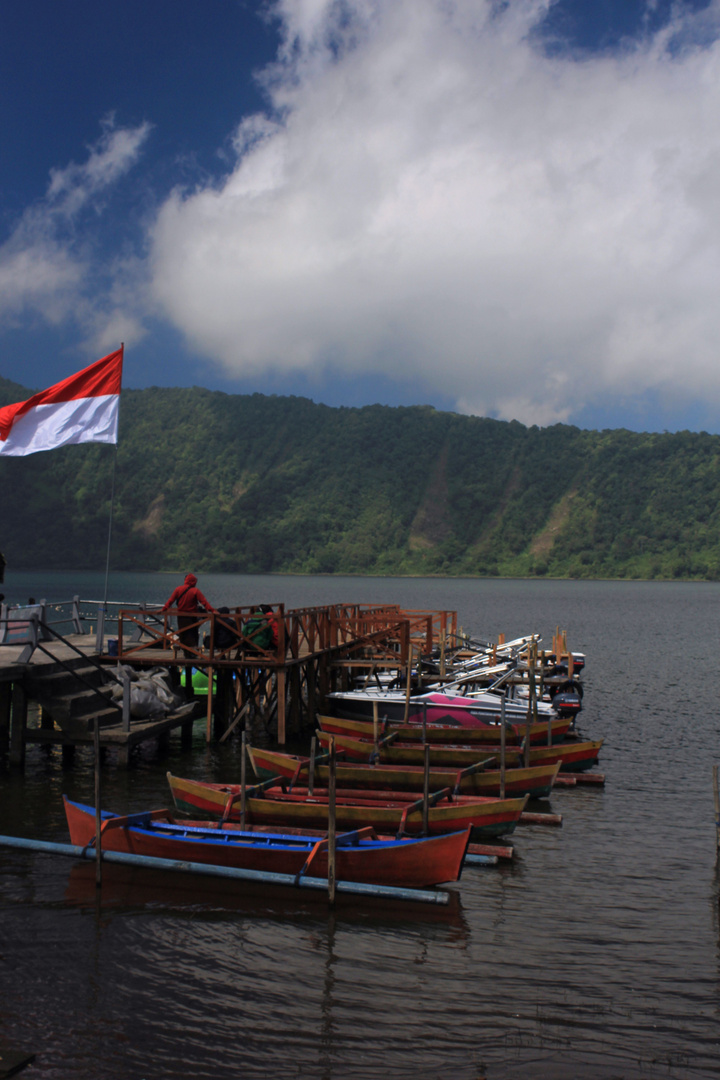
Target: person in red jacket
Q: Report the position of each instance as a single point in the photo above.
(272, 623)
(189, 602)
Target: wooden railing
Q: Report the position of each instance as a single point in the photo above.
(302, 633)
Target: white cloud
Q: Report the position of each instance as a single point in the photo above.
(110, 158)
(435, 198)
(45, 267)
(40, 275)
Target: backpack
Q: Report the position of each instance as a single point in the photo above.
(259, 632)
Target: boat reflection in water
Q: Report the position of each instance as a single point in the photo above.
(134, 889)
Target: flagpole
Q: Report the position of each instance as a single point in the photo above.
(109, 540)
(96, 725)
(112, 504)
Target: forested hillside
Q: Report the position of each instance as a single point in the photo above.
(210, 481)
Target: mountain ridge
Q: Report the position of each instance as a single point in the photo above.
(262, 484)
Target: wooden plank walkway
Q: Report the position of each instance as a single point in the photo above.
(116, 737)
(11, 669)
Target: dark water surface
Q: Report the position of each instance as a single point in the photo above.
(595, 955)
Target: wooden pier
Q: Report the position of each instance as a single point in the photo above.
(317, 650)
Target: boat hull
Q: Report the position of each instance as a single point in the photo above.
(460, 712)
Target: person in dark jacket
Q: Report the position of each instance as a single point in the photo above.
(226, 634)
(189, 602)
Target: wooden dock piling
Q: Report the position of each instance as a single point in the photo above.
(332, 834)
(716, 796)
(18, 724)
(5, 708)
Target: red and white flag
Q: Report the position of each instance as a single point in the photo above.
(83, 408)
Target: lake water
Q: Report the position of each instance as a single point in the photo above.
(593, 955)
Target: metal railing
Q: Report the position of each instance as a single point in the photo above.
(14, 619)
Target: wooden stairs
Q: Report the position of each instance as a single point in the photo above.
(72, 696)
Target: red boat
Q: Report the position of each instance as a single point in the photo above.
(360, 856)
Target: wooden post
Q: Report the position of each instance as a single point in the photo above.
(98, 821)
(295, 698)
(530, 710)
(426, 790)
(376, 748)
(405, 643)
(281, 705)
(311, 683)
(331, 822)
(442, 653)
(408, 684)
(542, 684)
(243, 778)
(717, 809)
(311, 768)
(208, 720)
(424, 722)
(189, 688)
(502, 745)
(501, 639)
(323, 679)
(18, 725)
(5, 700)
(223, 704)
(123, 754)
(126, 702)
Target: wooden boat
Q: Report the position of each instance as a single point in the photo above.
(573, 757)
(386, 811)
(361, 856)
(536, 782)
(449, 733)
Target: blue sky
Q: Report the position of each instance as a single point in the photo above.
(506, 209)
